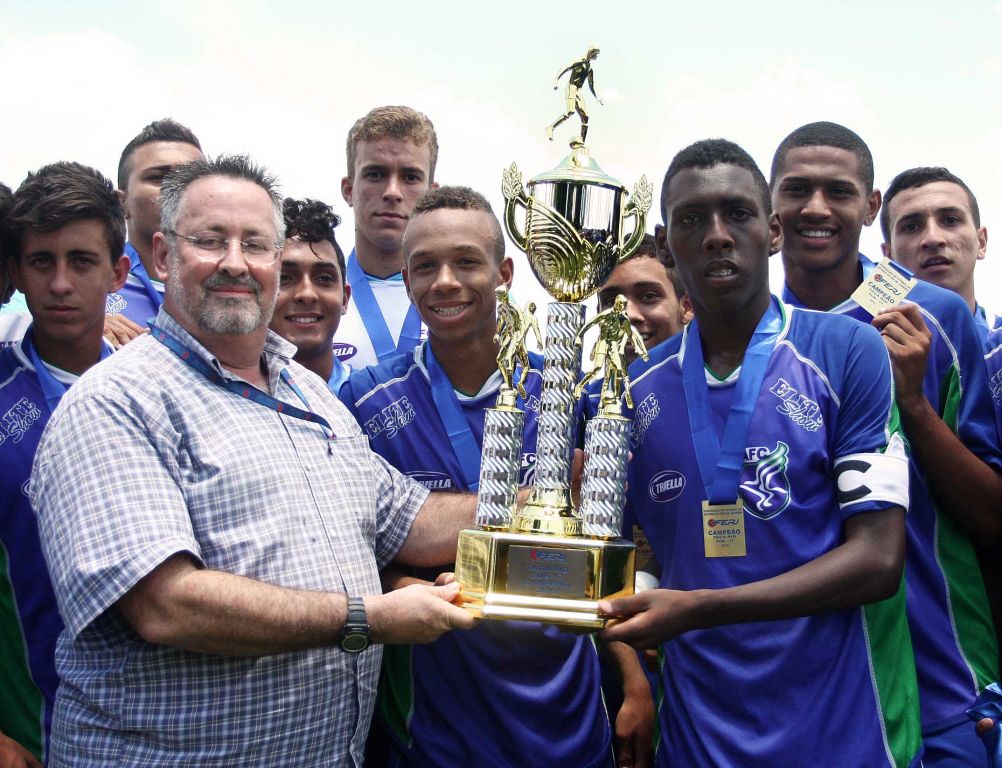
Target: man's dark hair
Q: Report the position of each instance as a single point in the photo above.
(313, 221)
(6, 196)
(159, 130)
(64, 192)
(241, 167)
(917, 177)
(648, 249)
(464, 199)
(708, 153)
(825, 134)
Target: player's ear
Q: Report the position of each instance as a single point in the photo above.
(507, 270)
(873, 201)
(775, 234)
(661, 245)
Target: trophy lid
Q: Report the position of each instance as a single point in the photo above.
(578, 166)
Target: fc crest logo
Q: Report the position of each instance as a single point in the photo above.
(768, 484)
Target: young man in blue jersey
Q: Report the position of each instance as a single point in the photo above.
(312, 294)
(776, 509)
(65, 235)
(822, 189)
(392, 153)
(511, 693)
(931, 224)
(154, 152)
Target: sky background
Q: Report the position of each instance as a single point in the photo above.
(919, 81)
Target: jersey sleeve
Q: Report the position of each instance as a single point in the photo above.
(965, 401)
(870, 461)
(108, 528)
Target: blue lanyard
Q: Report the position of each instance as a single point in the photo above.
(244, 389)
(372, 316)
(464, 445)
(52, 388)
(139, 271)
(720, 465)
(338, 376)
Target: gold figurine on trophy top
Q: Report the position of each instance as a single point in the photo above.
(608, 356)
(514, 324)
(580, 73)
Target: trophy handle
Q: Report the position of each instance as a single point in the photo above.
(638, 206)
(514, 195)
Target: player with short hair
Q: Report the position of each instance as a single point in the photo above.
(510, 693)
(932, 225)
(392, 152)
(780, 613)
(149, 156)
(65, 231)
(822, 188)
(312, 294)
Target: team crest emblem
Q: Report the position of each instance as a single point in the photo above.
(767, 491)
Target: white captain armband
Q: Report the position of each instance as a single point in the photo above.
(865, 477)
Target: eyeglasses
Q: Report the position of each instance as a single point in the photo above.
(212, 247)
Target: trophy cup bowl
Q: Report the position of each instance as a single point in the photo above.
(546, 562)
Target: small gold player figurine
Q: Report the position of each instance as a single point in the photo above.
(514, 324)
(614, 332)
(581, 72)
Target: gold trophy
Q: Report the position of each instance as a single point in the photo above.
(548, 561)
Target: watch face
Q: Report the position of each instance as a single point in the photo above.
(355, 642)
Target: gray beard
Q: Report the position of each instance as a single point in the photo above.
(229, 317)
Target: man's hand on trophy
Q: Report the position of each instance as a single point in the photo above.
(417, 614)
(647, 619)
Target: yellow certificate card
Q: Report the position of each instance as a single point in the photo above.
(886, 286)
(724, 529)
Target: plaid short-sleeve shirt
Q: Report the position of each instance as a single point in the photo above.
(146, 458)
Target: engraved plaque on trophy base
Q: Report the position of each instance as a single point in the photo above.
(552, 579)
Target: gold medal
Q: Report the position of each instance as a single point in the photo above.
(724, 529)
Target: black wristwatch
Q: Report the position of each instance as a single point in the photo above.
(355, 635)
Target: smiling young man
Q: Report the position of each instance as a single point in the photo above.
(392, 153)
(932, 225)
(655, 298)
(154, 152)
(65, 234)
(510, 693)
(822, 190)
(312, 294)
(775, 511)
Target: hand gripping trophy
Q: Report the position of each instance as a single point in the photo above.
(549, 561)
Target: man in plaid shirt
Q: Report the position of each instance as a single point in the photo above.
(214, 521)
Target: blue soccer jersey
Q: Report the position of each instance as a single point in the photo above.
(951, 625)
(993, 366)
(141, 296)
(29, 618)
(987, 323)
(505, 693)
(837, 688)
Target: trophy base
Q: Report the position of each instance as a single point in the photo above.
(550, 579)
